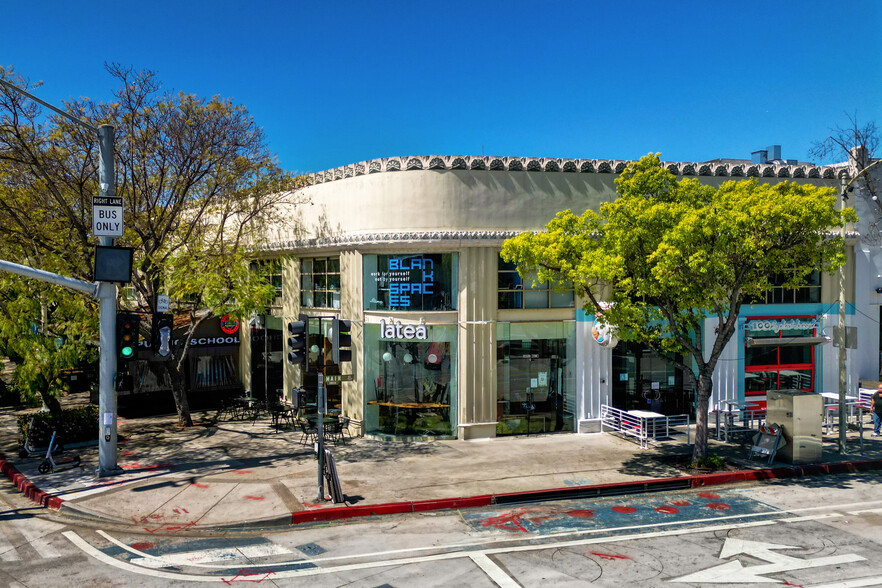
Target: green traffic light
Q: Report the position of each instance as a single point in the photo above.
(126, 351)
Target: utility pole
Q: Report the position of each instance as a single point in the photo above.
(841, 340)
(843, 381)
(107, 369)
(105, 293)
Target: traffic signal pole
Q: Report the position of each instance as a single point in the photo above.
(105, 293)
(107, 449)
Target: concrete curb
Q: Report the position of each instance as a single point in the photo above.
(598, 490)
(28, 488)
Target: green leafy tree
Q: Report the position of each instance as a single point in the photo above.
(46, 331)
(198, 185)
(668, 254)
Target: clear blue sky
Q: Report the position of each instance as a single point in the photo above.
(334, 83)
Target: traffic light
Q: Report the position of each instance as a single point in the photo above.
(341, 341)
(297, 342)
(162, 342)
(127, 326)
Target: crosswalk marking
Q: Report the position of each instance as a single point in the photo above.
(497, 574)
(210, 555)
(199, 558)
(37, 537)
(20, 539)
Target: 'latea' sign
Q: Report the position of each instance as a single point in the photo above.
(398, 331)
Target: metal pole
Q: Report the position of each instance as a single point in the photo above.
(107, 465)
(320, 410)
(841, 339)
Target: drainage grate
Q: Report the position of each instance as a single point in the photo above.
(310, 549)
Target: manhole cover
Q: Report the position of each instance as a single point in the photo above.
(311, 549)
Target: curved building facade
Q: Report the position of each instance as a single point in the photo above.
(448, 341)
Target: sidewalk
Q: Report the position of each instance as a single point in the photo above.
(235, 474)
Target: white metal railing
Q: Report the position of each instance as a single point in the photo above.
(644, 426)
(732, 417)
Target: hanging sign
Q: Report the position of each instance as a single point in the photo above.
(602, 332)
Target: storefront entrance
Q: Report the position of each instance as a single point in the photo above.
(644, 380)
(779, 354)
(410, 380)
(266, 358)
(535, 391)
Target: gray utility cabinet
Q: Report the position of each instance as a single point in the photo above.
(801, 414)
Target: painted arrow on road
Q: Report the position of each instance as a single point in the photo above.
(734, 572)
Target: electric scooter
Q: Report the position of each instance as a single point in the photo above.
(51, 464)
(29, 451)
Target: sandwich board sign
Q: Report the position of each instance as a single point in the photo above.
(107, 216)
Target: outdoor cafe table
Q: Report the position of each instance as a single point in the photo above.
(833, 405)
(650, 419)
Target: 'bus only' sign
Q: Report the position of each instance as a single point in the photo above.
(107, 216)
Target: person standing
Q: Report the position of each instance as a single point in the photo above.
(876, 407)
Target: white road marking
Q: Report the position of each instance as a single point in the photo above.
(499, 577)
(7, 549)
(211, 555)
(865, 511)
(37, 538)
(856, 583)
(533, 538)
(734, 572)
(832, 515)
(89, 549)
(198, 559)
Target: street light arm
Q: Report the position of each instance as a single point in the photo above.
(49, 106)
(36, 274)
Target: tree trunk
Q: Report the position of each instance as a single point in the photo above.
(50, 402)
(703, 392)
(179, 392)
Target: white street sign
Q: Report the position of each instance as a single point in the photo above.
(107, 216)
(162, 302)
(734, 572)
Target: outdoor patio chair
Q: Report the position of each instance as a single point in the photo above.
(308, 431)
(344, 428)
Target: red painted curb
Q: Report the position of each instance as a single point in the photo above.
(699, 481)
(28, 488)
(452, 503)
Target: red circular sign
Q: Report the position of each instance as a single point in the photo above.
(228, 324)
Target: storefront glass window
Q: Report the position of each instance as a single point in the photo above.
(266, 358)
(416, 282)
(410, 380)
(320, 360)
(535, 371)
(785, 366)
(645, 380)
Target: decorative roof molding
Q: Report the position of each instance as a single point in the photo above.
(389, 238)
(545, 164)
(421, 237)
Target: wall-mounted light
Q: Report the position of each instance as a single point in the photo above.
(387, 356)
(314, 349)
(408, 358)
